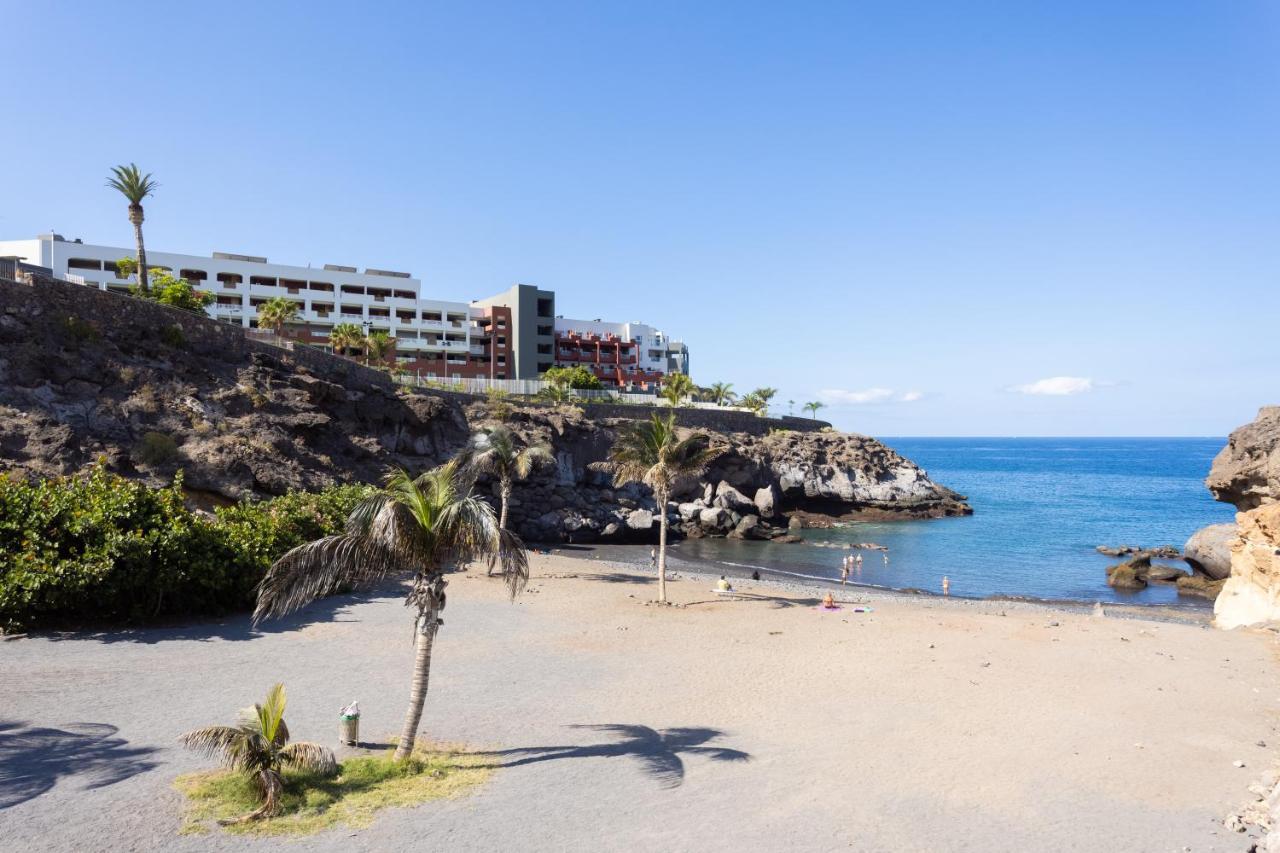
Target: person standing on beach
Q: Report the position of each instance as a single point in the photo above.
(653, 559)
(844, 573)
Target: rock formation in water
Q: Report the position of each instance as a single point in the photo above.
(1247, 473)
(148, 390)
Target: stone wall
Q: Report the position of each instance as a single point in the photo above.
(711, 419)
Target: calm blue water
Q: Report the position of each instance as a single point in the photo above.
(1040, 508)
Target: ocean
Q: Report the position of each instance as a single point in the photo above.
(1041, 506)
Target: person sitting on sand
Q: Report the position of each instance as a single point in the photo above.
(755, 576)
(723, 585)
(828, 602)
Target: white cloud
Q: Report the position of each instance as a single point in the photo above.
(841, 397)
(1056, 386)
(910, 396)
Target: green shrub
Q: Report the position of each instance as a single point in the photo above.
(172, 336)
(156, 448)
(102, 549)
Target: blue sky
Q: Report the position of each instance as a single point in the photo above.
(943, 218)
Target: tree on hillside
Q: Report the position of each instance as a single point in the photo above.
(345, 336)
(752, 403)
(652, 453)
(164, 288)
(722, 393)
(423, 526)
(377, 346)
(135, 186)
(812, 408)
(258, 746)
(275, 313)
(675, 388)
(577, 377)
(765, 394)
(494, 451)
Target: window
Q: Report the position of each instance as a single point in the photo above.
(83, 264)
(193, 275)
(545, 330)
(544, 366)
(262, 280)
(545, 307)
(544, 349)
(229, 280)
(502, 342)
(502, 359)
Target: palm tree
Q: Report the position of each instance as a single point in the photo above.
(345, 336)
(676, 387)
(651, 452)
(377, 346)
(752, 403)
(765, 394)
(494, 451)
(135, 186)
(275, 313)
(722, 393)
(791, 406)
(258, 746)
(424, 526)
(813, 407)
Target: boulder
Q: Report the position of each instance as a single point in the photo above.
(766, 501)
(730, 498)
(1127, 575)
(688, 511)
(1200, 585)
(714, 518)
(1162, 574)
(789, 538)
(640, 520)
(1246, 472)
(745, 528)
(1209, 550)
(1251, 596)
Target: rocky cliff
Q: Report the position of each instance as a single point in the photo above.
(1247, 474)
(87, 376)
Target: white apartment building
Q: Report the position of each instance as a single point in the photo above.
(619, 352)
(375, 300)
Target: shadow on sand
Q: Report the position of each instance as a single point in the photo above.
(32, 760)
(238, 626)
(658, 751)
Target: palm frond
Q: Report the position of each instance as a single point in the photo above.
(214, 741)
(530, 458)
(310, 756)
(319, 568)
(131, 183)
(271, 714)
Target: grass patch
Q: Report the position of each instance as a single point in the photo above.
(310, 804)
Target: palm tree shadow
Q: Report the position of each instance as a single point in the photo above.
(658, 751)
(32, 759)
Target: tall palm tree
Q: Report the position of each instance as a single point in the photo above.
(135, 186)
(345, 336)
(494, 451)
(722, 393)
(676, 387)
(813, 407)
(277, 312)
(423, 526)
(377, 346)
(258, 746)
(651, 452)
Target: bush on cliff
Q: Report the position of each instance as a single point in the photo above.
(102, 549)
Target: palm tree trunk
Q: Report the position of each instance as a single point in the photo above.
(143, 287)
(662, 546)
(428, 624)
(504, 495)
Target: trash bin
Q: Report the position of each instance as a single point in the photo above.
(349, 725)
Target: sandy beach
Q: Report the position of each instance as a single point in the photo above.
(753, 722)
